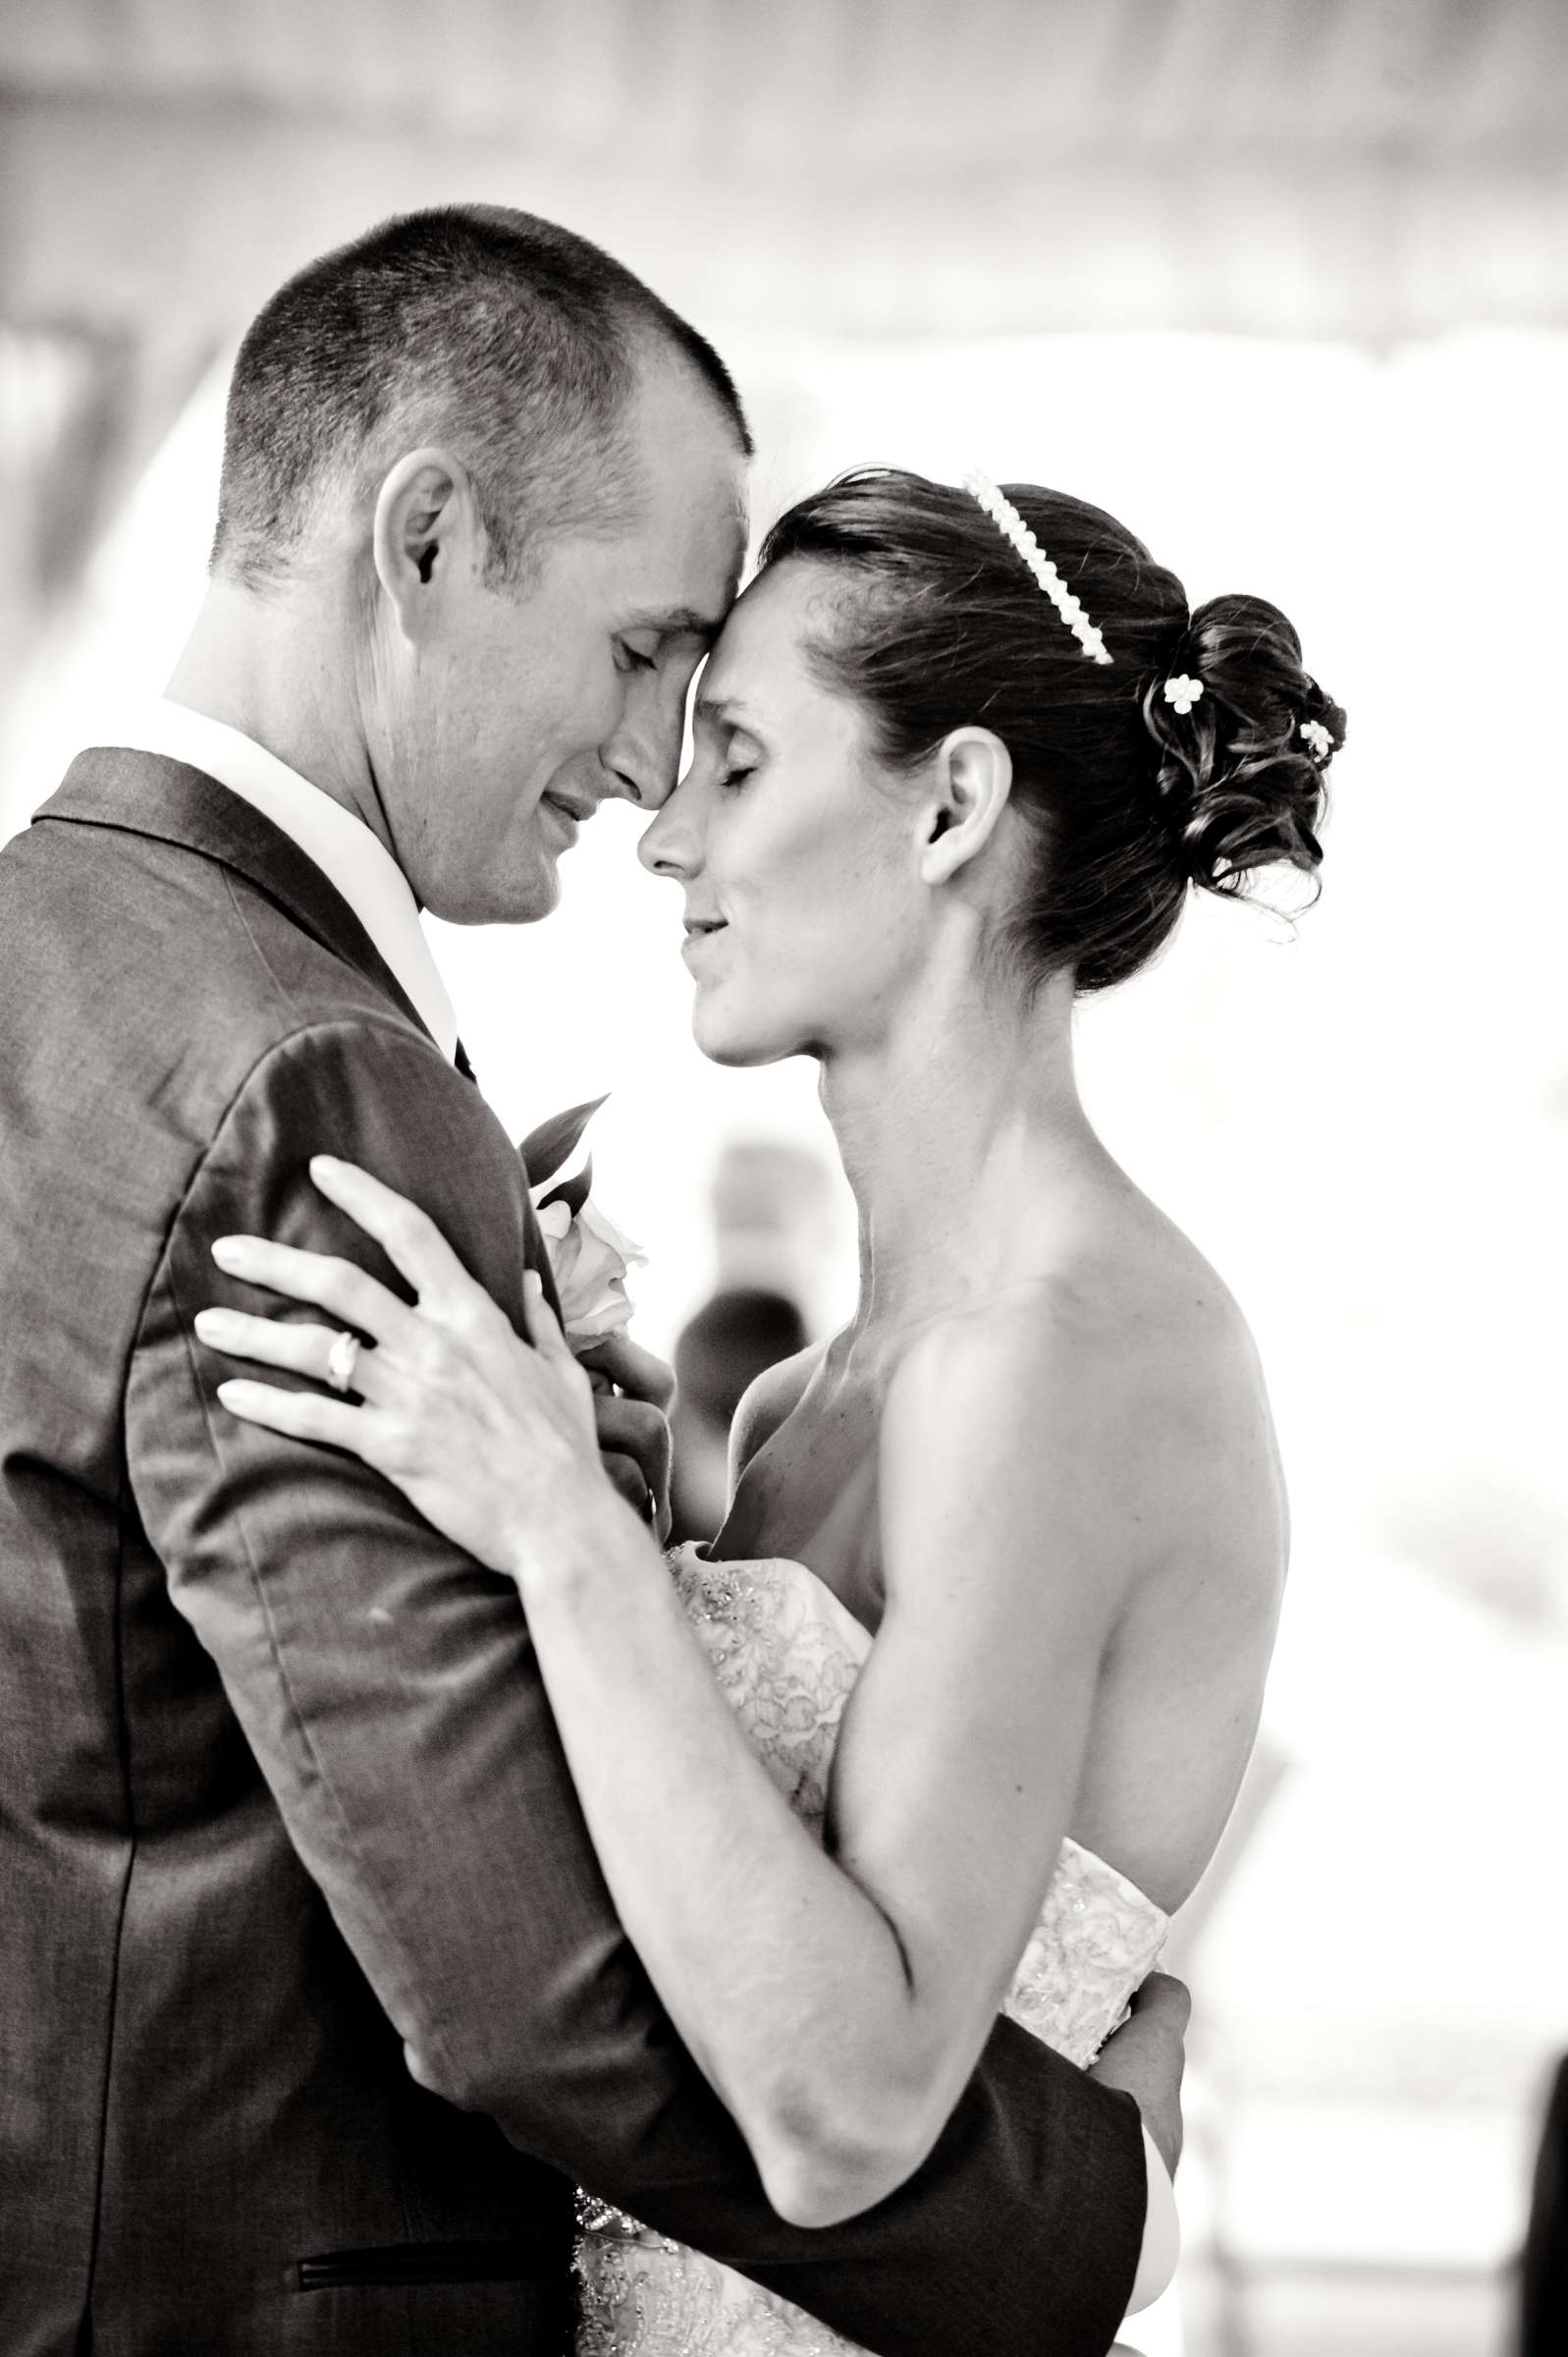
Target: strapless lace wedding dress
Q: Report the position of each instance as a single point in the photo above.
(787, 1655)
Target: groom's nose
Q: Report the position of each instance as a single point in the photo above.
(638, 781)
(643, 760)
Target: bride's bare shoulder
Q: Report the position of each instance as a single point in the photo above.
(1123, 1327)
(769, 1402)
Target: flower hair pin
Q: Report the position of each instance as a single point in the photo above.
(1320, 744)
(1182, 692)
(1008, 520)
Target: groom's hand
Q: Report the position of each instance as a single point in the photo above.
(1146, 2059)
(632, 1392)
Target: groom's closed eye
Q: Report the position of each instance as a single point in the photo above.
(675, 622)
(683, 633)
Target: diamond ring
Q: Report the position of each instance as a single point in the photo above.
(342, 1360)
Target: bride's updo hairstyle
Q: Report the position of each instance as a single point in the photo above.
(1133, 794)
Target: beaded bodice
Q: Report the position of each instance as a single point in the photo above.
(786, 1653)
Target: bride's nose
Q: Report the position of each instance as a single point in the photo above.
(672, 845)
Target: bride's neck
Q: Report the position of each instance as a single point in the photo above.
(958, 1126)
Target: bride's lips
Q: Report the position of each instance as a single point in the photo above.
(698, 935)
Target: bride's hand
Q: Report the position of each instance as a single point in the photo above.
(632, 1394)
(494, 1442)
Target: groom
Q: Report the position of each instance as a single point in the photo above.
(279, 1787)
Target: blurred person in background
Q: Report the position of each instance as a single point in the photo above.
(737, 1335)
(282, 1789)
(956, 1709)
(771, 1217)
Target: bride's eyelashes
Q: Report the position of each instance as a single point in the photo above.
(740, 762)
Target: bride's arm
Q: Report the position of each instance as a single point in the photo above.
(838, 2001)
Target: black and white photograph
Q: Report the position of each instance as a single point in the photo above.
(784, 1124)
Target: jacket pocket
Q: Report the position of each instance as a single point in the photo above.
(412, 2263)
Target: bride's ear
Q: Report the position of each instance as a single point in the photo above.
(971, 783)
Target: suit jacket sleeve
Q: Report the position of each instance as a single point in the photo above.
(388, 1689)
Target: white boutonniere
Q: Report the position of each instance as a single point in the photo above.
(589, 1256)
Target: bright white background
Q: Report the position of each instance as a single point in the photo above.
(1363, 1120)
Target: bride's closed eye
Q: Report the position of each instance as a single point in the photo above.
(742, 758)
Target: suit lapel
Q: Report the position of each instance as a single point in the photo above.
(147, 793)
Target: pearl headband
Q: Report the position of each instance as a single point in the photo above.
(1008, 520)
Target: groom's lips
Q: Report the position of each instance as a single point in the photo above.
(568, 815)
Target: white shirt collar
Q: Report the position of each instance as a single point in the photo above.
(349, 856)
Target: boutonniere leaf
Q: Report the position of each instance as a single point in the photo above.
(573, 1192)
(555, 1142)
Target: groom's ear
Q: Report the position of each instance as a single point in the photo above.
(425, 530)
(972, 779)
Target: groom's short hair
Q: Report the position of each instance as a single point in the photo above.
(508, 337)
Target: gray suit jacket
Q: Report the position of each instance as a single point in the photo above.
(279, 1786)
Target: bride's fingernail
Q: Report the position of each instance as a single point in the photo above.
(216, 1325)
(325, 1161)
(232, 1251)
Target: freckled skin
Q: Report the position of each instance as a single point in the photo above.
(809, 877)
(987, 1207)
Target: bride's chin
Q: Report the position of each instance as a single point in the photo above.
(735, 1043)
(737, 1052)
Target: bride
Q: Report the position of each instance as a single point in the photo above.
(953, 1716)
